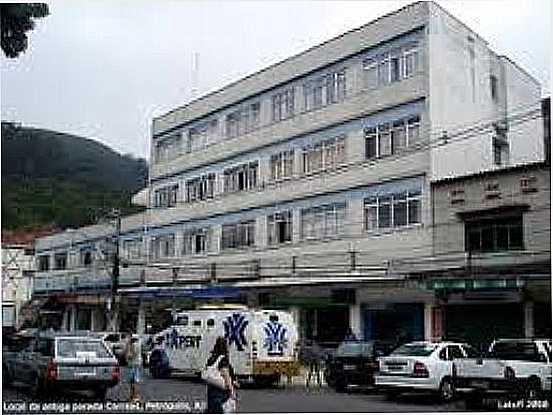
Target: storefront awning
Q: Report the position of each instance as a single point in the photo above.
(474, 284)
(176, 292)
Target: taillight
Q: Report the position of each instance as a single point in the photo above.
(52, 370)
(116, 373)
(420, 370)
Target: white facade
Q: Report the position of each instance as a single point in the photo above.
(18, 268)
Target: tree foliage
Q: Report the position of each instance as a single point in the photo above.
(61, 179)
(16, 19)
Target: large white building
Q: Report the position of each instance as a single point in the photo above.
(303, 185)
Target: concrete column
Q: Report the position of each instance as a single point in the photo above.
(298, 155)
(428, 315)
(528, 319)
(141, 320)
(354, 217)
(296, 225)
(216, 239)
(355, 146)
(72, 317)
(295, 311)
(264, 171)
(355, 320)
(261, 232)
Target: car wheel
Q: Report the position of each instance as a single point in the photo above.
(447, 390)
(100, 393)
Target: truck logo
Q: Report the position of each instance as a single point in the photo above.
(235, 325)
(276, 339)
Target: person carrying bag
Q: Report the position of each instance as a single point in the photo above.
(219, 377)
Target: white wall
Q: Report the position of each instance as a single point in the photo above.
(460, 98)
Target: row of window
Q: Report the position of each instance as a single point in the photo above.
(381, 140)
(321, 222)
(319, 91)
(61, 260)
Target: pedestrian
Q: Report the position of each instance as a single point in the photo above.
(313, 356)
(133, 357)
(217, 396)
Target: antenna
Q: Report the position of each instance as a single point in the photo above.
(195, 75)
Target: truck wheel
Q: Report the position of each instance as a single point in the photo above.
(532, 389)
(447, 390)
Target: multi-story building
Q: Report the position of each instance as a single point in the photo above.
(305, 185)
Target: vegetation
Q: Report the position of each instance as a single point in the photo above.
(16, 21)
(51, 178)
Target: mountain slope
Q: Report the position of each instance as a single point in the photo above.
(61, 179)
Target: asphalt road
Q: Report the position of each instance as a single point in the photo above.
(291, 398)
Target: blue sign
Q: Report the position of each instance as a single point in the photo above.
(276, 340)
(235, 325)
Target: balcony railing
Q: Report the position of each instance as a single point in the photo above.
(348, 266)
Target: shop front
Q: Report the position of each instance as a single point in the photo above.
(393, 322)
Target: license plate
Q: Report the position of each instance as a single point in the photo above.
(350, 367)
(480, 384)
(85, 374)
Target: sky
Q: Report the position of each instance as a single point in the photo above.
(105, 69)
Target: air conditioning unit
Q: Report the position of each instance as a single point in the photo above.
(491, 191)
(457, 196)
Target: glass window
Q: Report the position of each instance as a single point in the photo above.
(60, 260)
(323, 221)
(454, 352)
(370, 69)
(400, 209)
(238, 235)
(411, 62)
(414, 350)
(414, 207)
(471, 352)
(384, 140)
(385, 212)
(371, 143)
(242, 177)
(371, 214)
(413, 130)
(195, 241)
(383, 70)
(494, 234)
(44, 262)
(279, 228)
(76, 348)
(399, 136)
(395, 66)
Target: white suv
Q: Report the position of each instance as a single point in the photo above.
(421, 366)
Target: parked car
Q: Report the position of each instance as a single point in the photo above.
(513, 366)
(353, 363)
(53, 362)
(421, 366)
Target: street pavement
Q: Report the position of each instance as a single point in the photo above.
(284, 398)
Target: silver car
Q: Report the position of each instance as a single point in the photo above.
(53, 362)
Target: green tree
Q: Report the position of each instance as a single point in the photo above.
(15, 20)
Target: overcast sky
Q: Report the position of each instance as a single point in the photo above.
(102, 70)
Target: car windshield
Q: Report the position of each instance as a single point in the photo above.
(515, 351)
(414, 350)
(354, 349)
(77, 348)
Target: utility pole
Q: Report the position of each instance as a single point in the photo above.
(114, 312)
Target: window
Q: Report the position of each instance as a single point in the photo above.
(44, 262)
(399, 136)
(233, 124)
(392, 211)
(86, 257)
(238, 235)
(313, 93)
(500, 150)
(370, 70)
(168, 147)
(210, 323)
(391, 138)
(282, 165)
(279, 228)
(197, 323)
(166, 196)
(132, 249)
(283, 104)
(323, 221)
(471, 352)
(384, 140)
(396, 72)
(60, 260)
(336, 86)
(251, 116)
(413, 130)
(493, 87)
(454, 352)
(243, 177)
(410, 58)
(200, 188)
(494, 234)
(163, 246)
(195, 241)
(328, 154)
(202, 135)
(383, 69)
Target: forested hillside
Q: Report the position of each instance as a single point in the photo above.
(63, 180)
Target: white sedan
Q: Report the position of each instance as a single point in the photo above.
(421, 366)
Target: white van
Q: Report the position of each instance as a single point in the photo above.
(263, 344)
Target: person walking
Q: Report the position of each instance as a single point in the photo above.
(216, 396)
(313, 358)
(133, 358)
